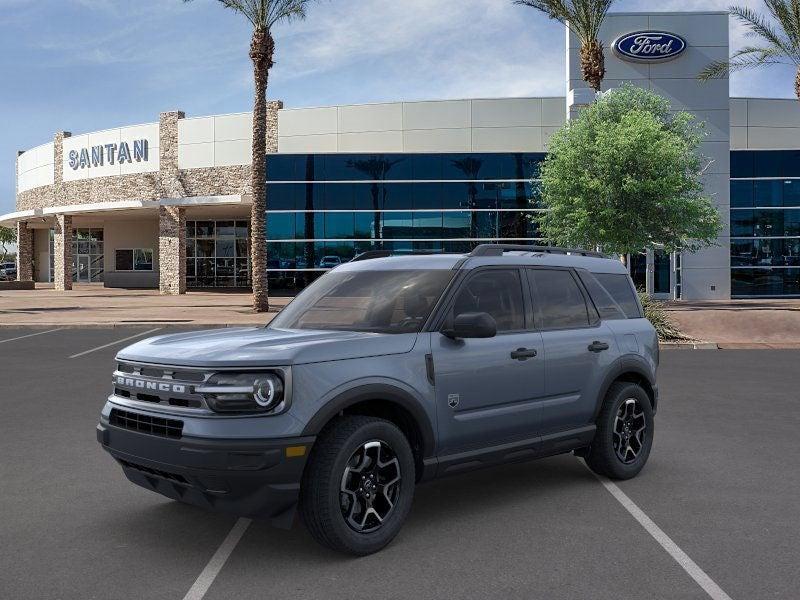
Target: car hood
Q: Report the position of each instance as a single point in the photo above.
(260, 346)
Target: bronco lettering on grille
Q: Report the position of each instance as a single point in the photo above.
(142, 384)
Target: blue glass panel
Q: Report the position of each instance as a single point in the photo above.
(366, 196)
(768, 222)
(344, 250)
(768, 193)
(365, 225)
(742, 163)
(528, 165)
(339, 196)
(397, 196)
(742, 223)
(513, 224)
(485, 195)
(741, 194)
(281, 167)
(765, 282)
(459, 247)
(426, 166)
(339, 225)
(280, 226)
(455, 195)
(791, 192)
(768, 163)
(309, 225)
(456, 224)
(281, 255)
(427, 225)
(485, 225)
(790, 163)
(426, 195)
(791, 222)
(515, 195)
(397, 225)
(464, 166)
(282, 196)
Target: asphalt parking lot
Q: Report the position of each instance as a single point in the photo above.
(722, 483)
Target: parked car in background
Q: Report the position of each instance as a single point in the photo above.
(8, 271)
(328, 262)
(385, 372)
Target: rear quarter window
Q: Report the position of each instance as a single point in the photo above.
(619, 287)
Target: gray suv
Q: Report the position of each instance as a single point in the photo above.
(386, 372)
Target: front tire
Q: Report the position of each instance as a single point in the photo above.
(358, 487)
(624, 434)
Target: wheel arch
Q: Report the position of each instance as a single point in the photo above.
(387, 402)
(633, 370)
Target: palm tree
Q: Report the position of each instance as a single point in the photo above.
(584, 19)
(780, 41)
(262, 15)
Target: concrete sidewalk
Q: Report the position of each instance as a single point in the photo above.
(94, 305)
(740, 323)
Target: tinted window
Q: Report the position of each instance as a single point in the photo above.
(497, 292)
(374, 301)
(618, 285)
(605, 304)
(559, 300)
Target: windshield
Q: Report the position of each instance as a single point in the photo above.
(376, 301)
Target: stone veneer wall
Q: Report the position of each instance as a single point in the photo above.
(24, 252)
(171, 250)
(62, 250)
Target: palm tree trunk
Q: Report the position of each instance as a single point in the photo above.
(797, 84)
(593, 64)
(261, 51)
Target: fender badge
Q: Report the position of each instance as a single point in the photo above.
(452, 400)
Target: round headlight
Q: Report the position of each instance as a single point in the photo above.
(268, 391)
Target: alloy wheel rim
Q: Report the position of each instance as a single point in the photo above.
(630, 431)
(370, 486)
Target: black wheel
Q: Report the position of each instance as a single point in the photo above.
(358, 486)
(624, 435)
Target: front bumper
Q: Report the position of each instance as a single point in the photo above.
(249, 478)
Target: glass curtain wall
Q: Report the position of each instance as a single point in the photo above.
(324, 209)
(765, 223)
(218, 254)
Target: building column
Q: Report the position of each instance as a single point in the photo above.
(62, 251)
(171, 250)
(24, 252)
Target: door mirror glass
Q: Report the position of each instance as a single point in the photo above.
(472, 325)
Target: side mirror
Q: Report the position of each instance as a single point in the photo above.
(472, 325)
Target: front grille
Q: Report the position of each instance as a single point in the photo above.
(170, 428)
(166, 386)
(157, 472)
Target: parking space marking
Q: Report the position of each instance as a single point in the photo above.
(85, 352)
(214, 566)
(22, 337)
(687, 564)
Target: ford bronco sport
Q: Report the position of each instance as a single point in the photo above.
(385, 372)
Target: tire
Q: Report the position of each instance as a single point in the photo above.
(603, 455)
(344, 455)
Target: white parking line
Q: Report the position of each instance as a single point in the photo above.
(687, 564)
(114, 343)
(214, 566)
(22, 337)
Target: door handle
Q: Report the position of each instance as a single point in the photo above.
(523, 353)
(596, 346)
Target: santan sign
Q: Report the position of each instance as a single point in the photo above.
(97, 156)
(649, 46)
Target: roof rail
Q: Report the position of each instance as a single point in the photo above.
(370, 254)
(499, 249)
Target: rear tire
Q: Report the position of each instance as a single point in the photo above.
(624, 434)
(358, 487)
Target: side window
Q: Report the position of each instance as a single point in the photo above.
(494, 291)
(618, 285)
(608, 308)
(559, 300)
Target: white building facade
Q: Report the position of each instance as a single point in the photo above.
(167, 204)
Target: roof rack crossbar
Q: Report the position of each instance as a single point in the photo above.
(499, 249)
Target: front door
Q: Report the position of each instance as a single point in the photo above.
(83, 268)
(484, 395)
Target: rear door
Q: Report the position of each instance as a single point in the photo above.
(487, 390)
(577, 348)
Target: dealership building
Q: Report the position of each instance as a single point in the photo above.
(167, 204)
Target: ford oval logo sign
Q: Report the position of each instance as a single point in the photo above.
(649, 46)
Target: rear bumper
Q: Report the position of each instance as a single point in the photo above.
(249, 478)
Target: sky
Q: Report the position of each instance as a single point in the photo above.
(86, 65)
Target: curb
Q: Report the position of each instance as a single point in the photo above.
(689, 345)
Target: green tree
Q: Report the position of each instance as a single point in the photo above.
(584, 19)
(626, 175)
(7, 236)
(778, 36)
(263, 15)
